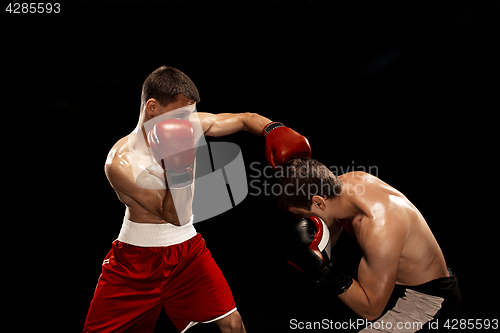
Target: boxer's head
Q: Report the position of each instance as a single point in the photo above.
(307, 182)
(167, 89)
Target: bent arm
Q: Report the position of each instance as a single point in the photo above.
(377, 271)
(369, 295)
(228, 123)
(172, 206)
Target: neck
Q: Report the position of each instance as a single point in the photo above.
(143, 117)
(342, 208)
(139, 134)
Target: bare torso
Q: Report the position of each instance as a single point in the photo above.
(141, 169)
(380, 206)
(140, 182)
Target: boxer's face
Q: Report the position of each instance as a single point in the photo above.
(301, 212)
(155, 109)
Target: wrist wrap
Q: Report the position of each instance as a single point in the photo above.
(269, 127)
(332, 280)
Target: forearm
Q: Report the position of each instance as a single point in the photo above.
(254, 123)
(356, 299)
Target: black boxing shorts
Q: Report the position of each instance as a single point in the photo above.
(425, 307)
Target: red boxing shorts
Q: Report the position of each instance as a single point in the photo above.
(137, 282)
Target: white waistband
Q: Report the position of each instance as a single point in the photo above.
(151, 234)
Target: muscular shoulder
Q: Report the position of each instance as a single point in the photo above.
(365, 186)
(130, 172)
(384, 206)
(379, 205)
(117, 166)
(358, 177)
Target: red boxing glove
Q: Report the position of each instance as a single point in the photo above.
(283, 144)
(172, 143)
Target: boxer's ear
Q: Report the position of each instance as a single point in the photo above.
(319, 202)
(151, 107)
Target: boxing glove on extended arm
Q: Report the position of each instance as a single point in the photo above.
(306, 245)
(172, 143)
(283, 144)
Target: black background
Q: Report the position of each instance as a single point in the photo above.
(411, 89)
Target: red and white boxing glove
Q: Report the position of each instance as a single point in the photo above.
(284, 144)
(306, 245)
(172, 143)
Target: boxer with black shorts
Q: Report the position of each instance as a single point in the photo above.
(159, 260)
(402, 277)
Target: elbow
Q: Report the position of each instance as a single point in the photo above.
(248, 118)
(371, 314)
(370, 317)
(369, 306)
(370, 310)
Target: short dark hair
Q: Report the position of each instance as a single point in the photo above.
(305, 178)
(165, 83)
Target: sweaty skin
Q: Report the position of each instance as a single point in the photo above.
(146, 198)
(397, 245)
(140, 182)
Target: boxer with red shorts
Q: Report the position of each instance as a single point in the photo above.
(159, 261)
(138, 281)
